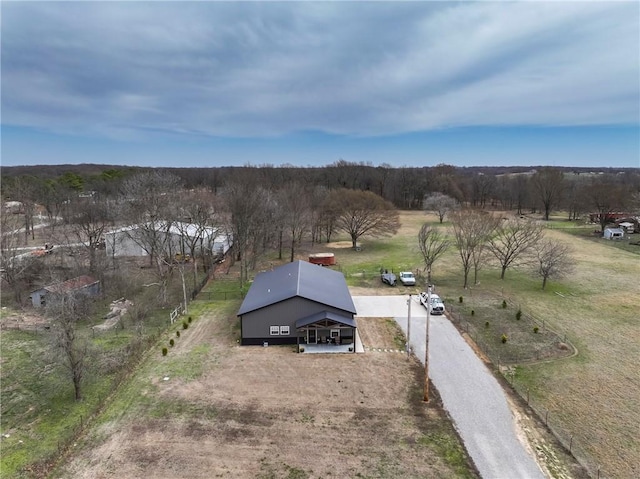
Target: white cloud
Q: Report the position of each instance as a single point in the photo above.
(260, 69)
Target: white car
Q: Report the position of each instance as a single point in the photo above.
(407, 278)
(437, 305)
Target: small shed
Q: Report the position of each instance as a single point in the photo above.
(86, 284)
(323, 259)
(613, 233)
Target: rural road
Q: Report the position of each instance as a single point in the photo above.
(472, 396)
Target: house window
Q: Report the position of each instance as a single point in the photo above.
(284, 330)
(274, 330)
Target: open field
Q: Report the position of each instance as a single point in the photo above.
(593, 398)
(596, 395)
(213, 409)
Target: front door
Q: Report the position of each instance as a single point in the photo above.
(311, 336)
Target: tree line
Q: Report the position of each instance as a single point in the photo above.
(264, 208)
(521, 188)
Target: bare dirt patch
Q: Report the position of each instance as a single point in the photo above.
(23, 319)
(339, 244)
(269, 412)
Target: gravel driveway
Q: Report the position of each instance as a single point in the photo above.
(472, 396)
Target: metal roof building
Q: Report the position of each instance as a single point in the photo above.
(298, 303)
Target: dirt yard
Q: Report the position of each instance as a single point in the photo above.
(230, 411)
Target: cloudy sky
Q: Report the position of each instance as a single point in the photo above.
(309, 83)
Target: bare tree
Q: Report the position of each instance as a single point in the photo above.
(522, 186)
(512, 239)
(548, 184)
(432, 244)
(65, 311)
(360, 213)
(246, 203)
(440, 204)
(149, 198)
(25, 189)
(606, 197)
(471, 229)
(88, 221)
(53, 197)
(554, 260)
(317, 220)
(18, 266)
(479, 254)
(296, 213)
(483, 187)
(199, 218)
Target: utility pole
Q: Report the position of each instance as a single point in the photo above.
(409, 328)
(426, 347)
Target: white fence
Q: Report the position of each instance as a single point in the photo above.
(173, 315)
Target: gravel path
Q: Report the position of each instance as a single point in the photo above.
(472, 396)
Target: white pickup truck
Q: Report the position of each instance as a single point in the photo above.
(407, 278)
(437, 305)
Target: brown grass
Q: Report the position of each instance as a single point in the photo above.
(268, 412)
(596, 396)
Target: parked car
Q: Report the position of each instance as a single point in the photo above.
(407, 278)
(388, 278)
(437, 305)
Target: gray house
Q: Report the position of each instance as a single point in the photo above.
(299, 303)
(85, 284)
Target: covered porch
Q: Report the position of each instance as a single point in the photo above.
(326, 332)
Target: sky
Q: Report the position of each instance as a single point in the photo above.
(197, 84)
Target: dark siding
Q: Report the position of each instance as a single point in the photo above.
(255, 325)
(273, 341)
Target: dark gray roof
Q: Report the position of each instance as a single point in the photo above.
(302, 279)
(325, 315)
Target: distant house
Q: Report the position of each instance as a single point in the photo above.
(299, 303)
(86, 284)
(613, 233)
(131, 240)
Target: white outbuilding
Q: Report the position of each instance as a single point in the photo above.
(175, 237)
(613, 233)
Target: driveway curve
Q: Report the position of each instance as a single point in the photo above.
(470, 393)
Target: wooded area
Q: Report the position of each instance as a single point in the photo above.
(270, 208)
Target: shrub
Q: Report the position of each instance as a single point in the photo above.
(504, 304)
(473, 312)
(190, 319)
(519, 314)
(185, 325)
(350, 349)
(461, 299)
(536, 329)
(503, 338)
(301, 349)
(486, 324)
(178, 334)
(171, 342)
(164, 351)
